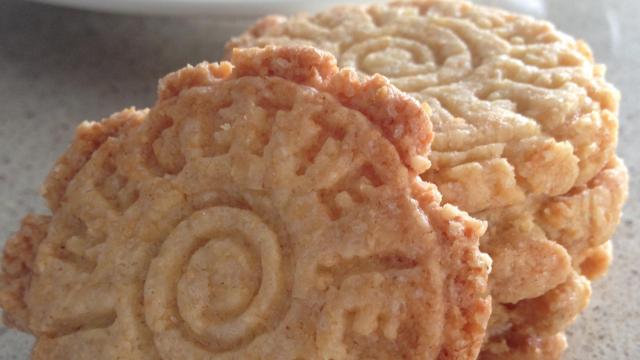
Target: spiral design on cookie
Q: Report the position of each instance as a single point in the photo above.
(242, 218)
(504, 89)
(436, 56)
(218, 278)
(259, 225)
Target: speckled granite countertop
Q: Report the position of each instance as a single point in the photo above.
(60, 66)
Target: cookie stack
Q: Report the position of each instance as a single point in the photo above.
(415, 180)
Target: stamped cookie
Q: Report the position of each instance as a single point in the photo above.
(267, 208)
(525, 134)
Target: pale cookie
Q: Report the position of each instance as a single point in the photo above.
(525, 132)
(267, 208)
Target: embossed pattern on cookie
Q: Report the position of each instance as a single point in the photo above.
(269, 209)
(525, 134)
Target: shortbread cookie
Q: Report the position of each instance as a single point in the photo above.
(525, 134)
(267, 208)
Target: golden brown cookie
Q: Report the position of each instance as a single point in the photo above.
(525, 135)
(267, 208)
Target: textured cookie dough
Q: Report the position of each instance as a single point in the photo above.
(267, 208)
(525, 135)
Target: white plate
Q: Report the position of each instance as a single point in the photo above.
(219, 8)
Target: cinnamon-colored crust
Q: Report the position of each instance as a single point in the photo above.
(266, 208)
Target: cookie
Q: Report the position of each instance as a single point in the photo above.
(525, 135)
(267, 208)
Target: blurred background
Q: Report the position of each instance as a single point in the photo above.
(59, 66)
